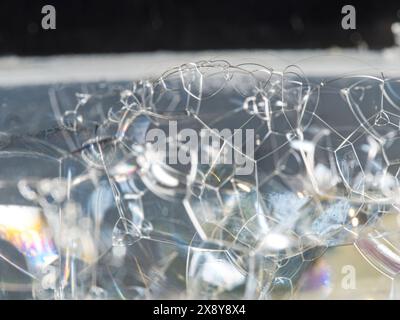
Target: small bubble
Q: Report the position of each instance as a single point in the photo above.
(381, 119)
(71, 120)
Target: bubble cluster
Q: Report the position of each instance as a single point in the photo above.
(214, 181)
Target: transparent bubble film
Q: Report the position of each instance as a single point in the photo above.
(213, 181)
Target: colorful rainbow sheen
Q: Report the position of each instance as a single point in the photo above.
(25, 228)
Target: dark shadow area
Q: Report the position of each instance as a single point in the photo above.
(94, 26)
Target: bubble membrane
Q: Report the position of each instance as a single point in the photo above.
(213, 181)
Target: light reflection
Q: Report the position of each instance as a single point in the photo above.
(24, 227)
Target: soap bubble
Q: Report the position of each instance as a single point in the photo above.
(214, 181)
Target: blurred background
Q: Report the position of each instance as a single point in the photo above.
(120, 26)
